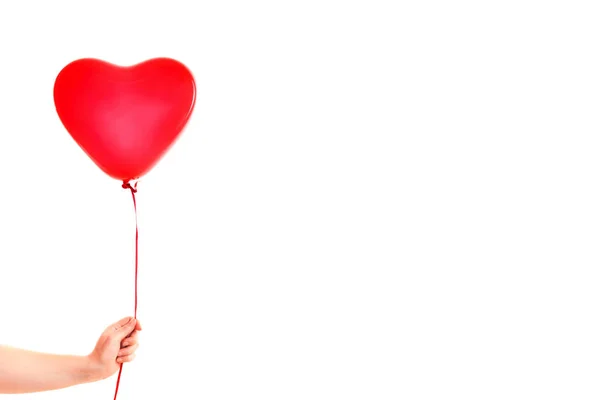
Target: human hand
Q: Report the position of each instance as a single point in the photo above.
(116, 345)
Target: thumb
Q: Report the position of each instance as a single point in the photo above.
(122, 328)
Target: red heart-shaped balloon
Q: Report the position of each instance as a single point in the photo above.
(125, 118)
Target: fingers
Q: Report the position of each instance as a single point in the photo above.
(131, 340)
(124, 327)
(127, 351)
(125, 359)
(125, 323)
(128, 348)
(121, 323)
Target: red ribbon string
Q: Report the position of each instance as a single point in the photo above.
(127, 185)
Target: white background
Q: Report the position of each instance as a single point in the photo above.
(373, 200)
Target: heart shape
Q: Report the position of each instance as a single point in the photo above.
(125, 118)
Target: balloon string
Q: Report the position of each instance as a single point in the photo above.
(127, 185)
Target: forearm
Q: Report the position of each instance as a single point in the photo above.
(24, 371)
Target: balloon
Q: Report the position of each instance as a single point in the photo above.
(125, 118)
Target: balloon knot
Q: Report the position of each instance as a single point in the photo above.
(127, 185)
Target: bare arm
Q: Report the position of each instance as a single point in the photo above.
(24, 371)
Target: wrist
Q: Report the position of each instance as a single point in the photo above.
(92, 370)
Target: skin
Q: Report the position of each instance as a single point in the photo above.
(25, 371)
